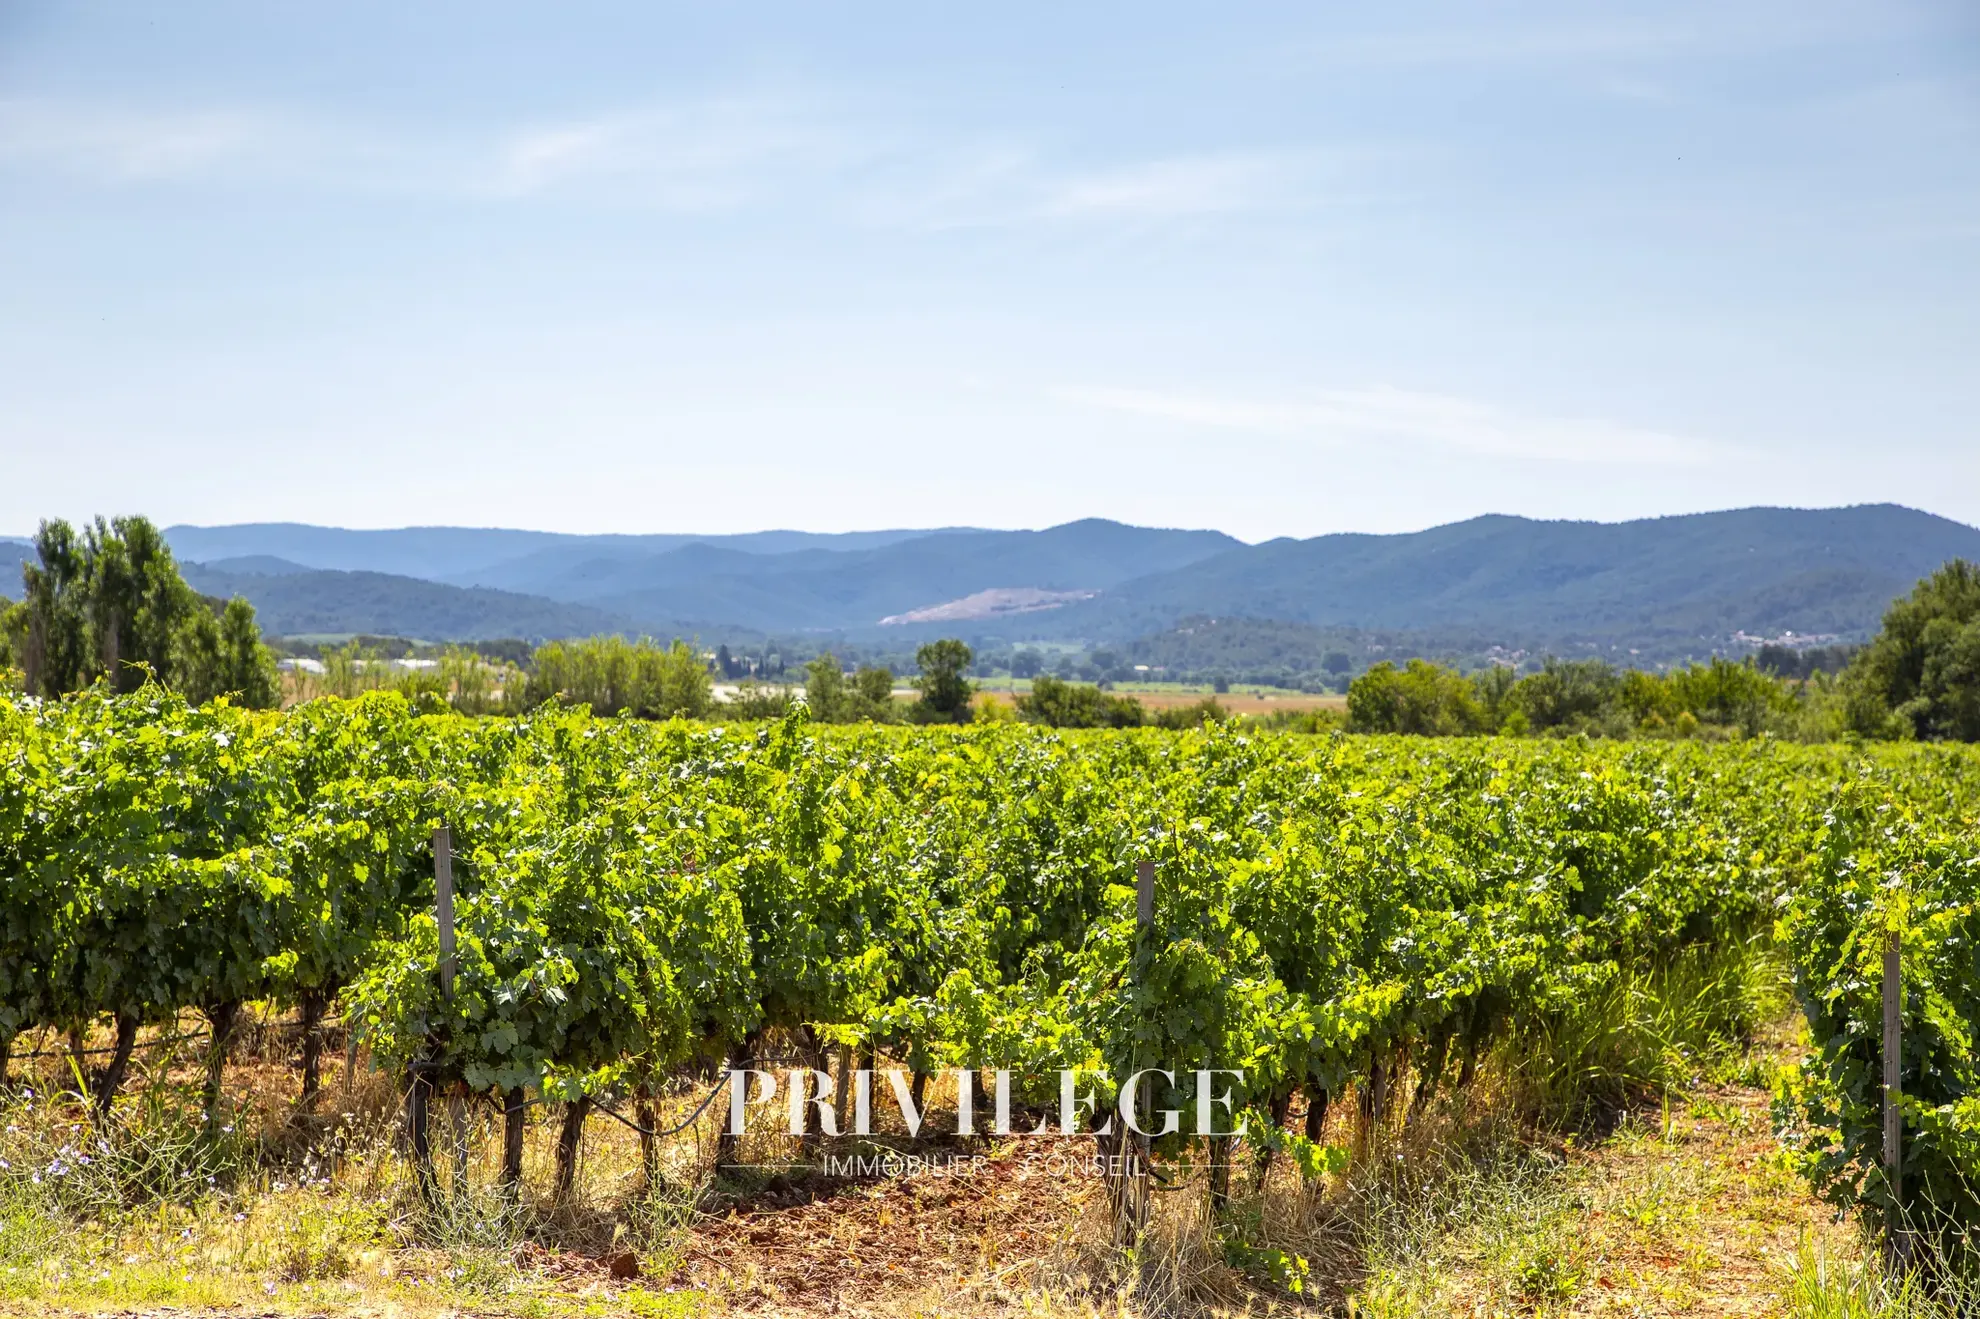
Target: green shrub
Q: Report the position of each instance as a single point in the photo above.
(1421, 697)
(1074, 705)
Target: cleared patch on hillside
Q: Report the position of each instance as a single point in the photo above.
(997, 602)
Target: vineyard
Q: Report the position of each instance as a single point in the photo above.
(636, 907)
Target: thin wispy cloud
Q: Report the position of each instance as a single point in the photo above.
(714, 154)
(730, 153)
(119, 145)
(1006, 185)
(125, 145)
(1191, 185)
(542, 155)
(1344, 416)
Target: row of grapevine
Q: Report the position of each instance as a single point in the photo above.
(1896, 856)
(635, 899)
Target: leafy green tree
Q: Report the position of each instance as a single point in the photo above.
(872, 695)
(825, 689)
(680, 684)
(1027, 664)
(945, 692)
(1565, 693)
(755, 700)
(225, 657)
(1072, 705)
(49, 628)
(1647, 698)
(1730, 693)
(1420, 698)
(110, 603)
(141, 610)
(1494, 685)
(1781, 661)
(1920, 676)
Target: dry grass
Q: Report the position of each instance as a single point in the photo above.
(1689, 1207)
(1683, 1210)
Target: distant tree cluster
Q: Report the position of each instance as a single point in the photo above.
(612, 675)
(1074, 705)
(1567, 696)
(1918, 678)
(463, 678)
(946, 694)
(867, 697)
(107, 604)
(741, 663)
(1060, 704)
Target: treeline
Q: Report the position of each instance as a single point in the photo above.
(1571, 696)
(1061, 704)
(1145, 659)
(867, 694)
(460, 676)
(107, 604)
(611, 675)
(1918, 679)
(607, 675)
(647, 680)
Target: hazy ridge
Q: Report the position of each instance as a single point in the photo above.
(1668, 585)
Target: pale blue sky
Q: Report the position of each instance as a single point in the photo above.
(1280, 270)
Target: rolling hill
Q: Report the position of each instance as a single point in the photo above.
(1699, 577)
(310, 602)
(1662, 587)
(853, 590)
(529, 561)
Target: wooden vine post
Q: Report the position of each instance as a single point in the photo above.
(514, 1109)
(1897, 1243)
(1128, 1178)
(449, 960)
(420, 1092)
